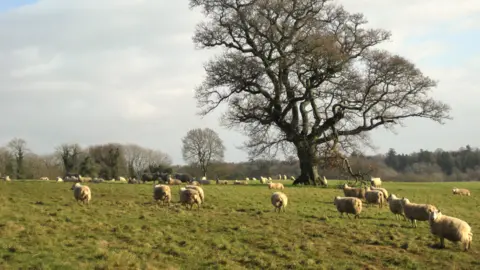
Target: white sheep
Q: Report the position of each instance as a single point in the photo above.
(263, 180)
(453, 229)
(254, 179)
(81, 193)
(236, 182)
(461, 191)
(44, 178)
(172, 181)
(59, 179)
(200, 191)
(275, 186)
(395, 205)
(324, 181)
(293, 178)
(384, 191)
(285, 177)
(375, 181)
(204, 178)
(349, 205)
(6, 178)
(280, 177)
(279, 200)
(190, 197)
(353, 192)
(162, 193)
(122, 179)
(375, 197)
(414, 211)
(247, 179)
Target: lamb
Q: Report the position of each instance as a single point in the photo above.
(353, 192)
(395, 205)
(200, 191)
(384, 191)
(375, 197)
(190, 197)
(453, 229)
(279, 200)
(81, 193)
(263, 180)
(275, 186)
(240, 182)
(349, 205)
(461, 191)
(414, 211)
(162, 193)
(375, 182)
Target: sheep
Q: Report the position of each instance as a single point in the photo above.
(461, 191)
(263, 180)
(205, 182)
(247, 179)
(44, 178)
(172, 181)
(223, 182)
(285, 177)
(275, 186)
(384, 191)
(375, 181)
(353, 192)
(240, 182)
(122, 179)
(190, 197)
(195, 183)
(200, 191)
(254, 179)
(59, 179)
(204, 178)
(292, 178)
(375, 197)
(6, 178)
(162, 193)
(324, 181)
(349, 205)
(280, 177)
(81, 193)
(279, 200)
(414, 211)
(98, 180)
(395, 205)
(453, 229)
(270, 178)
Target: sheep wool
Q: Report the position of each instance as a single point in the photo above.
(200, 191)
(81, 193)
(450, 228)
(395, 205)
(162, 193)
(353, 192)
(375, 181)
(189, 197)
(349, 205)
(375, 197)
(279, 201)
(384, 191)
(461, 191)
(414, 211)
(276, 186)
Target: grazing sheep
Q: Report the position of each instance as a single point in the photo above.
(279, 200)
(195, 183)
(453, 229)
(98, 180)
(270, 178)
(162, 193)
(5, 178)
(324, 181)
(122, 179)
(375, 181)
(414, 211)
(247, 179)
(263, 180)
(81, 193)
(190, 197)
(353, 192)
(275, 186)
(395, 205)
(205, 182)
(59, 179)
(200, 191)
(240, 182)
(222, 182)
(172, 181)
(461, 191)
(349, 205)
(285, 177)
(293, 178)
(44, 178)
(375, 197)
(384, 191)
(280, 177)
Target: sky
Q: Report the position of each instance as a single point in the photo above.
(92, 72)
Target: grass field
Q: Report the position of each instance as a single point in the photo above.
(42, 227)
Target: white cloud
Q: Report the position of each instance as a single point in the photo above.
(125, 71)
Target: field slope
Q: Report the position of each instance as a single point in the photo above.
(42, 227)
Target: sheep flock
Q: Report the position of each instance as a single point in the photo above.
(351, 202)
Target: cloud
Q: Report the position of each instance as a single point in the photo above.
(125, 71)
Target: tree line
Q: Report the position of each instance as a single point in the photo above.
(112, 160)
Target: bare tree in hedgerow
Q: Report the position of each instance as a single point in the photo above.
(201, 147)
(304, 76)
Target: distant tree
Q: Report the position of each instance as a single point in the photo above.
(305, 75)
(70, 156)
(109, 160)
(201, 147)
(18, 149)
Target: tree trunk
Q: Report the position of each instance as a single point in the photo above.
(308, 168)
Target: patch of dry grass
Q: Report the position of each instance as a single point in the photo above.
(42, 227)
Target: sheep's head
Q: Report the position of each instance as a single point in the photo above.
(435, 214)
(75, 185)
(335, 200)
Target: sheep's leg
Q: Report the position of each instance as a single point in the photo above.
(357, 216)
(442, 242)
(348, 216)
(284, 209)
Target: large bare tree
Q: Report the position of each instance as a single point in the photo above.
(18, 149)
(303, 75)
(70, 156)
(139, 159)
(201, 147)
